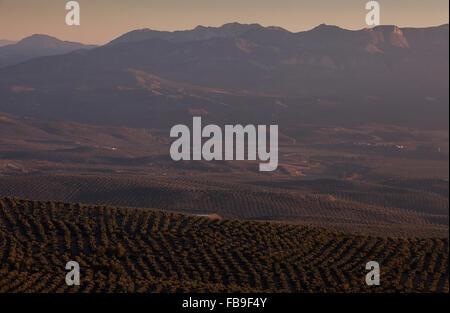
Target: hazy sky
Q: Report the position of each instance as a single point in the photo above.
(103, 20)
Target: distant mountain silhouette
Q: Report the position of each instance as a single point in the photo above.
(383, 74)
(36, 46)
(4, 42)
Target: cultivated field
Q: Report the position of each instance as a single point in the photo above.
(138, 250)
(408, 208)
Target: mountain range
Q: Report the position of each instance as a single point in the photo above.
(144, 78)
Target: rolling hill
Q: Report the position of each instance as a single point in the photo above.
(137, 250)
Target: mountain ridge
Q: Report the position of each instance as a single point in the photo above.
(233, 29)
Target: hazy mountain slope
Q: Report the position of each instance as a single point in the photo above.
(35, 46)
(4, 42)
(380, 74)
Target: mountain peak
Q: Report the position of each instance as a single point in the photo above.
(393, 35)
(46, 41)
(325, 27)
(236, 25)
(38, 39)
(37, 45)
(39, 36)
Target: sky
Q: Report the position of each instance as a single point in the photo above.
(104, 20)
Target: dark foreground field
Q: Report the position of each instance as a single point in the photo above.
(139, 250)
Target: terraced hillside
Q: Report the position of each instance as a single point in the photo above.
(393, 208)
(139, 250)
